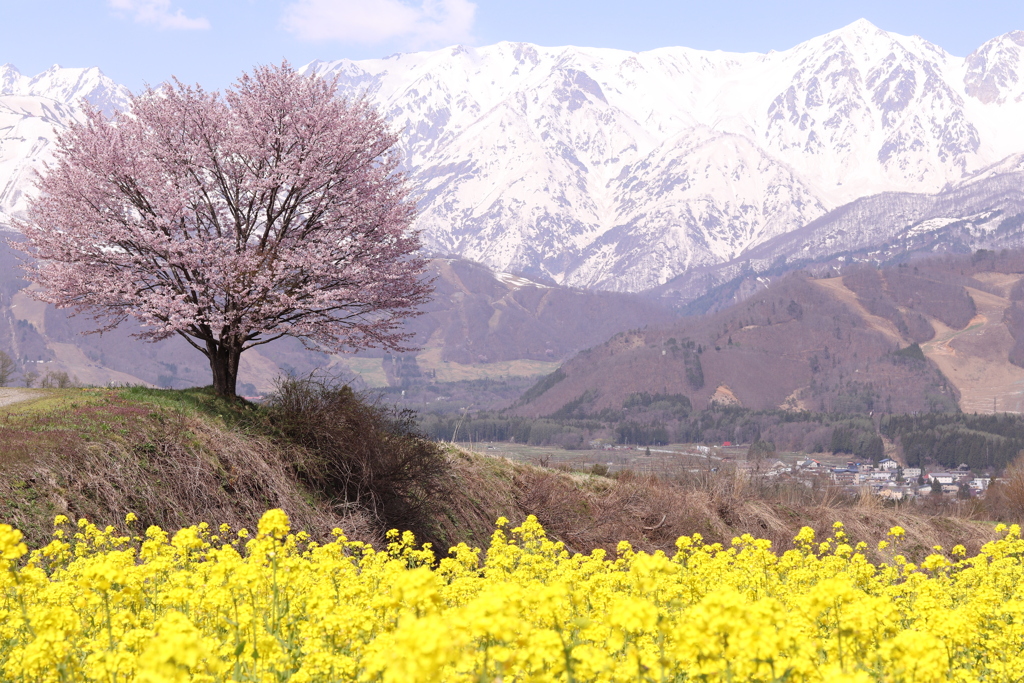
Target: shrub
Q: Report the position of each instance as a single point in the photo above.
(1005, 498)
(58, 379)
(360, 452)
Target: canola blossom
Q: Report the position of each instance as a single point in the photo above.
(220, 605)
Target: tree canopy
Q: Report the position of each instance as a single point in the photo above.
(232, 220)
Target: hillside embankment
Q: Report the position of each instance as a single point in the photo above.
(176, 458)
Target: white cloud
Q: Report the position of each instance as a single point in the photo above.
(158, 13)
(419, 22)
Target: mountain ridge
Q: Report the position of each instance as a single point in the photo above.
(848, 114)
(937, 334)
(622, 171)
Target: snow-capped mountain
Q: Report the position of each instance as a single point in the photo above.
(32, 112)
(620, 170)
(617, 170)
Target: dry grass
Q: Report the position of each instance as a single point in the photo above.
(586, 511)
(104, 455)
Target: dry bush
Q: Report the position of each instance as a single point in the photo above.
(58, 379)
(1004, 499)
(336, 461)
(8, 368)
(367, 455)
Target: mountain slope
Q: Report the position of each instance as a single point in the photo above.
(618, 170)
(984, 211)
(33, 110)
(830, 344)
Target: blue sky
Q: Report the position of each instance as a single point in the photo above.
(139, 41)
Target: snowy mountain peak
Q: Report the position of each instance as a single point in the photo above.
(66, 86)
(614, 169)
(995, 71)
(860, 30)
(33, 110)
(11, 80)
(620, 170)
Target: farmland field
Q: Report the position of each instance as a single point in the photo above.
(208, 604)
(670, 459)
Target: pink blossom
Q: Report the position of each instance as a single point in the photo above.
(232, 220)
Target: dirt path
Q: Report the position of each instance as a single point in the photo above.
(8, 396)
(975, 359)
(944, 335)
(847, 296)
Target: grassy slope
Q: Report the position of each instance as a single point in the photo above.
(179, 457)
(172, 457)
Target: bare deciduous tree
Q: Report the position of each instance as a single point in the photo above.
(8, 368)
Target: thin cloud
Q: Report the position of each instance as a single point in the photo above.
(158, 13)
(418, 22)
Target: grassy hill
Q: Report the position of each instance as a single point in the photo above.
(179, 457)
(937, 335)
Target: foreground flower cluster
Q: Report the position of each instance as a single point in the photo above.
(217, 605)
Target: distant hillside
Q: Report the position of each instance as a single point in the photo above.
(478, 325)
(985, 211)
(933, 336)
(484, 325)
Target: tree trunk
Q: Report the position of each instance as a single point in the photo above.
(224, 364)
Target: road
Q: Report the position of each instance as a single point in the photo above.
(9, 395)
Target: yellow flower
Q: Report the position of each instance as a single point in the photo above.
(11, 547)
(274, 523)
(178, 607)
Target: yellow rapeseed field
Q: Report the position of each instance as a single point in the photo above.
(221, 605)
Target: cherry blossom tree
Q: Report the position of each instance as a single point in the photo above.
(232, 220)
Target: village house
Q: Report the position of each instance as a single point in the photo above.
(844, 477)
(894, 493)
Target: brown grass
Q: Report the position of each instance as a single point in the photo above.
(103, 459)
(586, 511)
